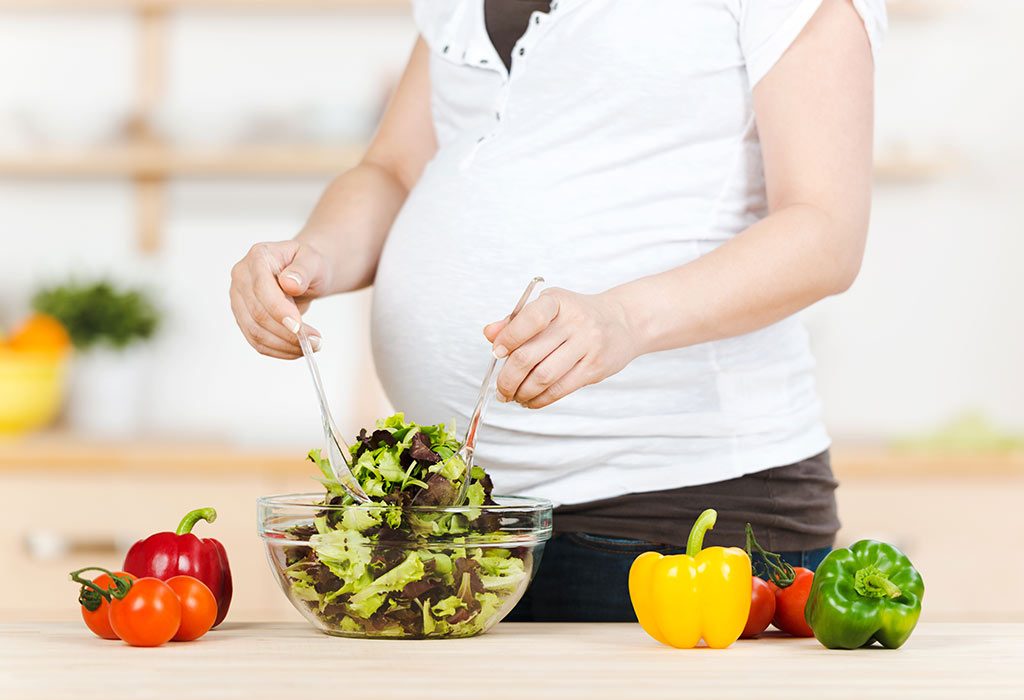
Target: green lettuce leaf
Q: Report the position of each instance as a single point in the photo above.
(302, 586)
(366, 601)
(501, 572)
(356, 518)
(448, 606)
(346, 552)
(388, 466)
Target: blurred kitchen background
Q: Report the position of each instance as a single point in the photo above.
(149, 143)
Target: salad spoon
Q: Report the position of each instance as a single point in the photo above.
(337, 449)
(482, 400)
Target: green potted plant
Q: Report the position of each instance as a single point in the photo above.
(109, 328)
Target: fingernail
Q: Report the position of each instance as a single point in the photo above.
(295, 277)
(502, 398)
(316, 341)
(291, 324)
(499, 351)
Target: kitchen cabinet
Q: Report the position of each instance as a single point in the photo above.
(62, 522)
(597, 661)
(961, 534)
(73, 503)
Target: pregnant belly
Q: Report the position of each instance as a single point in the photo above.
(457, 258)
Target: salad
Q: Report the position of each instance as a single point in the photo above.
(392, 568)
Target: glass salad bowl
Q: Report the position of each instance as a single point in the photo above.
(384, 571)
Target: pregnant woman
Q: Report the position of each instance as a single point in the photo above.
(686, 176)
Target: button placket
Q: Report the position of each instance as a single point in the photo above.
(534, 29)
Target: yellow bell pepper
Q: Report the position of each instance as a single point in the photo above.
(682, 598)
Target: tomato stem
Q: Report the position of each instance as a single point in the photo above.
(772, 566)
(705, 521)
(91, 596)
(193, 517)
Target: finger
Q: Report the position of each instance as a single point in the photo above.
(576, 378)
(535, 317)
(268, 258)
(269, 344)
(289, 342)
(524, 358)
(302, 272)
(273, 256)
(258, 335)
(255, 335)
(264, 318)
(549, 370)
(278, 355)
(258, 312)
(269, 292)
(491, 330)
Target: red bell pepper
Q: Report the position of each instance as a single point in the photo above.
(180, 553)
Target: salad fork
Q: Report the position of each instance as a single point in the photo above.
(337, 449)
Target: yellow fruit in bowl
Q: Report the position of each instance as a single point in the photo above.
(32, 368)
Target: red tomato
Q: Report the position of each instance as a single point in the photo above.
(198, 607)
(790, 603)
(762, 608)
(148, 615)
(98, 620)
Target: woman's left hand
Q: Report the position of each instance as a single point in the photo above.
(559, 343)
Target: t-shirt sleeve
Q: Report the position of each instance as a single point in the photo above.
(432, 18)
(769, 27)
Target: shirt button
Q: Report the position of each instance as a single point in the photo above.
(497, 115)
(522, 52)
(445, 49)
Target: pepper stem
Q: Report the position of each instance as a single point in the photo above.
(91, 596)
(705, 521)
(775, 568)
(870, 582)
(193, 517)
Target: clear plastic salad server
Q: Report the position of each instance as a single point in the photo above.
(482, 399)
(337, 449)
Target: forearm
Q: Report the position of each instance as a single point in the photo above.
(784, 263)
(351, 222)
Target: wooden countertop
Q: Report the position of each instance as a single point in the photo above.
(67, 451)
(532, 661)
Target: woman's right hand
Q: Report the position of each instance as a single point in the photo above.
(268, 307)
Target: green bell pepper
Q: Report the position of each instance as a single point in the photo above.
(866, 593)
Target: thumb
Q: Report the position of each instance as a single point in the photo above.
(301, 273)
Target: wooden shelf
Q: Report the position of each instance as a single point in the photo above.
(68, 451)
(284, 160)
(160, 5)
(141, 161)
(903, 169)
(867, 461)
(914, 9)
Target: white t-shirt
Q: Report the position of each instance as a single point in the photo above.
(621, 144)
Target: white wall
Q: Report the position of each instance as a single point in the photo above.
(934, 325)
(932, 328)
(306, 68)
